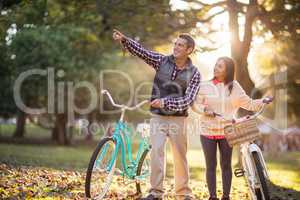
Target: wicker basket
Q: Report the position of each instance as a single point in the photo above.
(240, 132)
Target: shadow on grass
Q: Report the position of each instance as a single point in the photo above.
(282, 193)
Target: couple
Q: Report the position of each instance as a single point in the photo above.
(176, 87)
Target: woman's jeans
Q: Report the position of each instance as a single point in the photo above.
(210, 152)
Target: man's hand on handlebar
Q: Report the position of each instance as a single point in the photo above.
(156, 103)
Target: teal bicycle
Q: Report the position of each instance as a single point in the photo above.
(102, 165)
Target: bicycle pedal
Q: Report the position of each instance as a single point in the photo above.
(239, 172)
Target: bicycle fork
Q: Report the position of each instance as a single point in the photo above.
(246, 151)
(249, 170)
(254, 148)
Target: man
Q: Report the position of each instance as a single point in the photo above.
(175, 86)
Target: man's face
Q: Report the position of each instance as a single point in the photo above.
(181, 49)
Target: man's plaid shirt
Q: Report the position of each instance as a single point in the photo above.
(154, 59)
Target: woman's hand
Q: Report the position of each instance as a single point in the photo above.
(208, 111)
(267, 99)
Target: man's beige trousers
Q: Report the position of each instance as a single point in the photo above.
(174, 128)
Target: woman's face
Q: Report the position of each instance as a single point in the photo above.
(220, 70)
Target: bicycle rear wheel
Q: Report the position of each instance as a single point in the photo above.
(263, 192)
(143, 173)
(101, 169)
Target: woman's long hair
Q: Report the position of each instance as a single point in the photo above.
(230, 70)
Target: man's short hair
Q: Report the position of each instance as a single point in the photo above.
(189, 40)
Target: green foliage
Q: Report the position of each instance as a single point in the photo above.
(138, 19)
(64, 47)
(75, 36)
(283, 18)
(71, 49)
(7, 106)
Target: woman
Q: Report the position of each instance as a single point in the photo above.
(225, 96)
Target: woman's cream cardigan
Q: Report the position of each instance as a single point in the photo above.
(216, 96)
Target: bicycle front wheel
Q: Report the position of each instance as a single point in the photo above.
(143, 173)
(101, 169)
(262, 193)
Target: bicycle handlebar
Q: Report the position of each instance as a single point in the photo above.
(123, 106)
(247, 117)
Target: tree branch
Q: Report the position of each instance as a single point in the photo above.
(265, 17)
(221, 3)
(202, 49)
(240, 4)
(211, 17)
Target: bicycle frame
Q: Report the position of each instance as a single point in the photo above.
(247, 149)
(122, 140)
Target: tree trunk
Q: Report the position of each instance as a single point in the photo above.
(240, 49)
(88, 134)
(242, 74)
(59, 133)
(20, 126)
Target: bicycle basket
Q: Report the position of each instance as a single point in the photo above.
(240, 132)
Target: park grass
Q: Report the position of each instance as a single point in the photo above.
(51, 156)
(284, 169)
(31, 131)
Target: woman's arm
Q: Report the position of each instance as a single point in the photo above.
(244, 101)
(201, 108)
(198, 108)
(200, 105)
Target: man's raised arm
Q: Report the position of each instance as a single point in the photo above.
(151, 58)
